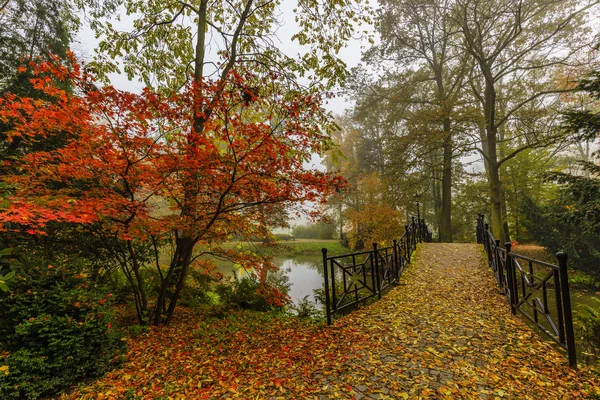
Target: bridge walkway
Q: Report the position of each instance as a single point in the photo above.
(446, 332)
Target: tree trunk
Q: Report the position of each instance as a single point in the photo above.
(489, 106)
(446, 219)
(184, 246)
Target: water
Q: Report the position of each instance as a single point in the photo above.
(304, 276)
(304, 273)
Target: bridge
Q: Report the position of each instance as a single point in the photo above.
(443, 318)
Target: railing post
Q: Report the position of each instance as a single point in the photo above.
(566, 300)
(414, 231)
(499, 267)
(510, 271)
(396, 266)
(376, 260)
(407, 244)
(326, 275)
(486, 244)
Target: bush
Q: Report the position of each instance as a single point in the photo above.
(198, 290)
(306, 309)
(589, 320)
(56, 329)
(249, 293)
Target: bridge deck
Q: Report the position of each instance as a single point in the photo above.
(446, 332)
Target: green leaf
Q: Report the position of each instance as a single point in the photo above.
(9, 276)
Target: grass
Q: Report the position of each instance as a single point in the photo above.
(298, 247)
(577, 280)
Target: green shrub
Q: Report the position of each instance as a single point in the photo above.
(589, 319)
(55, 330)
(306, 309)
(198, 290)
(249, 293)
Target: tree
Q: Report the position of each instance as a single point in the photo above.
(520, 48)
(419, 46)
(138, 170)
(169, 46)
(571, 221)
(370, 218)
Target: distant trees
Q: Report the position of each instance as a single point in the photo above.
(318, 230)
(423, 88)
(457, 80)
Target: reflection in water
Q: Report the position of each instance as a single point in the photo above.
(304, 273)
(304, 277)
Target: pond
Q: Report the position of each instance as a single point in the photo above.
(305, 274)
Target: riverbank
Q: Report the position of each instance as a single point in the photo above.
(287, 248)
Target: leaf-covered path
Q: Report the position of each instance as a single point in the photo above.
(443, 333)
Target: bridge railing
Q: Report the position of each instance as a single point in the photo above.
(536, 289)
(354, 278)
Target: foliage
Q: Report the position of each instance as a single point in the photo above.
(571, 221)
(130, 177)
(589, 318)
(252, 293)
(162, 46)
(32, 29)
(318, 230)
(199, 291)
(372, 219)
(6, 274)
(56, 330)
(559, 227)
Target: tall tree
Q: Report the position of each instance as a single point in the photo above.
(520, 48)
(420, 36)
(170, 45)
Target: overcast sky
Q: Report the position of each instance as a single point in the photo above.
(351, 54)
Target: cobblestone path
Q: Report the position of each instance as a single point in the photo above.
(446, 332)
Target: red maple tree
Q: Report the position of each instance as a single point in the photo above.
(219, 158)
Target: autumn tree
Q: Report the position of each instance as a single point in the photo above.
(170, 44)
(136, 168)
(521, 49)
(371, 219)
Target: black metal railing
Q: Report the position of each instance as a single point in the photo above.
(352, 279)
(523, 280)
